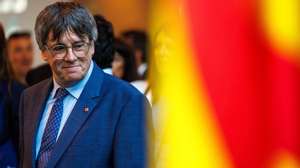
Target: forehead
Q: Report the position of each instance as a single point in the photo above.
(19, 41)
(66, 38)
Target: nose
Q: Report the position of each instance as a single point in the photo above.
(70, 56)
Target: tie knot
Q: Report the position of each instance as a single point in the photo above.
(61, 93)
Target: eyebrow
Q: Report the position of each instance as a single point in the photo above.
(60, 43)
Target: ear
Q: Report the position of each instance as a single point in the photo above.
(45, 55)
(92, 49)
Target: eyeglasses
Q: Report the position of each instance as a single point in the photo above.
(79, 49)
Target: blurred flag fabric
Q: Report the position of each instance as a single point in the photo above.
(226, 83)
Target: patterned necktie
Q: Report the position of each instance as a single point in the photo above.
(51, 130)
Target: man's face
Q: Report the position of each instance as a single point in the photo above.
(72, 66)
(20, 55)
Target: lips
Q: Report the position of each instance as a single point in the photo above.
(72, 68)
(26, 62)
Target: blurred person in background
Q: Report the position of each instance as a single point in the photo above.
(10, 91)
(123, 65)
(20, 55)
(104, 45)
(138, 41)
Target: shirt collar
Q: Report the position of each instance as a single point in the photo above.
(74, 90)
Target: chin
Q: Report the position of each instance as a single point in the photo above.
(75, 76)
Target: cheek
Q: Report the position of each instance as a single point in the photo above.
(121, 65)
(114, 64)
(29, 57)
(18, 62)
(85, 62)
(55, 66)
(118, 63)
(13, 58)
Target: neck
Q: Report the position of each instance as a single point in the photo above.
(64, 84)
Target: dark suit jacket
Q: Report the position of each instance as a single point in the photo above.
(111, 134)
(38, 74)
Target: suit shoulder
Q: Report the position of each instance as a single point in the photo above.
(36, 88)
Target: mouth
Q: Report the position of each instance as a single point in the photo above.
(26, 63)
(71, 68)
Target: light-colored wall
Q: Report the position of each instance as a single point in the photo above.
(124, 14)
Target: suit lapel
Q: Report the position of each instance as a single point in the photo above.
(83, 108)
(37, 112)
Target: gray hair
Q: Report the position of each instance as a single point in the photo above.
(61, 17)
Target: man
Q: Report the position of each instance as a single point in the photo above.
(20, 55)
(81, 117)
